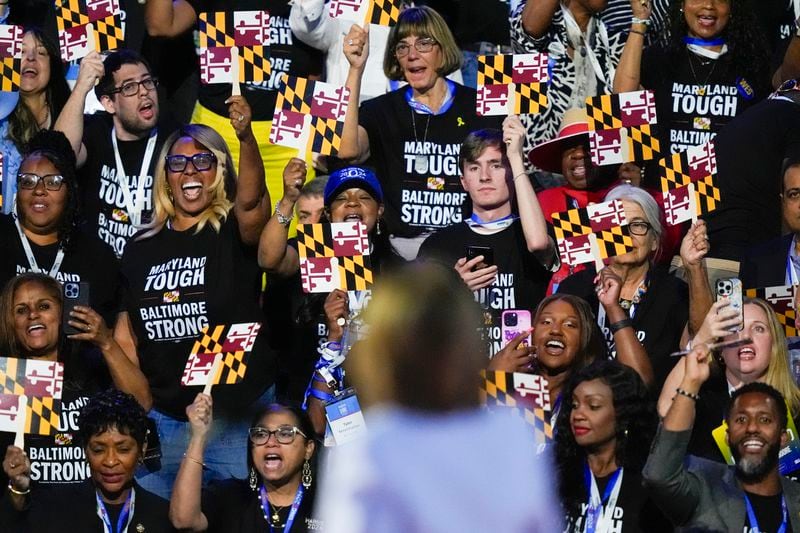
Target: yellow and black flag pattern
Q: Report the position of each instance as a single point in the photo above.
(334, 256)
(783, 300)
(526, 394)
(233, 342)
(622, 127)
(88, 25)
(384, 12)
(219, 32)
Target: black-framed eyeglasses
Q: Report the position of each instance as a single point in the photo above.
(201, 161)
(640, 227)
(131, 88)
(284, 434)
(423, 45)
(28, 180)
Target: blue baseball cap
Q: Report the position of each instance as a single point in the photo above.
(352, 177)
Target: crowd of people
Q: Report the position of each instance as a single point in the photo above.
(164, 200)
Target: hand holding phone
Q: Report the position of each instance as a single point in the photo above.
(74, 294)
(730, 289)
(485, 251)
(514, 322)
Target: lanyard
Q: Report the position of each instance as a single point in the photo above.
(597, 520)
(491, 227)
(262, 494)
(698, 46)
(134, 208)
(751, 515)
(26, 245)
(125, 516)
(419, 107)
(791, 272)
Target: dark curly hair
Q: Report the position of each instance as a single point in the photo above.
(54, 146)
(636, 422)
(22, 125)
(112, 409)
(301, 420)
(748, 50)
(592, 344)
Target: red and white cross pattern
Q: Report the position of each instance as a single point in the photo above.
(349, 238)
(10, 41)
(329, 101)
(637, 108)
(198, 368)
(678, 206)
(241, 337)
(287, 128)
(608, 147)
(319, 274)
(529, 68)
(534, 385)
(576, 250)
(702, 161)
(9, 409)
(492, 100)
(251, 28)
(348, 9)
(606, 215)
(43, 378)
(76, 42)
(100, 9)
(215, 65)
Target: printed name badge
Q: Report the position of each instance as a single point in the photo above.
(345, 420)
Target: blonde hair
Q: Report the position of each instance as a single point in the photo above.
(221, 188)
(778, 374)
(421, 21)
(423, 348)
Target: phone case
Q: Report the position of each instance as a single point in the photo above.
(731, 289)
(74, 294)
(510, 327)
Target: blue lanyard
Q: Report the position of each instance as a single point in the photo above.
(419, 107)
(298, 497)
(124, 516)
(595, 509)
(719, 41)
(751, 515)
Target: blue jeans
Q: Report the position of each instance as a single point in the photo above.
(226, 449)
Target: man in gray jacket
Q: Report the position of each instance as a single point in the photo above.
(707, 496)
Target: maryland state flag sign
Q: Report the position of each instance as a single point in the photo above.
(309, 115)
(87, 25)
(234, 46)
(526, 395)
(30, 395)
(10, 57)
(688, 183)
(783, 300)
(334, 256)
(234, 342)
(621, 127)
(510, 84)
(380, 12)
(592, 233)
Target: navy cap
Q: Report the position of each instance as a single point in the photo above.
(352, 177)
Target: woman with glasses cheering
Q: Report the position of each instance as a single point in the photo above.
(632, 292)
(412, 136)
(278, 494)
(194, 265)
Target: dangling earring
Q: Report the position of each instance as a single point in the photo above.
(306, 474)
(253, 480)
(378, 227)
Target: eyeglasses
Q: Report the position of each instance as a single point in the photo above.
(422, 45)
(52, 182)
(131, 88)
(639, 227)
(201, 161)
(284, 434)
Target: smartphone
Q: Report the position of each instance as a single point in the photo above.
(731, 289)
(75, 293)
(485, 251)
(514, 322)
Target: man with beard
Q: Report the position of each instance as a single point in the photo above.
(116, 150)
(750, 496)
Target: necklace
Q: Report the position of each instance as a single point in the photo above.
(701, 87)
(420, 160)
(275, 518)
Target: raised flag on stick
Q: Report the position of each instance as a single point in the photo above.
(30, 396)
(621, 127)
(511, 84)
(363, 12)
(219, 356)
(10, 57)
(234, 47)
(593, 233)
(88, 25)
(688, 184)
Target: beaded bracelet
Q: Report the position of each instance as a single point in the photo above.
(636, 20)
(688, 394)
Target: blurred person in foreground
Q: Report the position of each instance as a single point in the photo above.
(417, 374)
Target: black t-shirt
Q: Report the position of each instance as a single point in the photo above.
(521, 280)
(177, 282)
(74, 508)
(750, 154)
(634, 511)
(419, 172)
(87, 259)
(104, 207)
(695, 100)
(287, 54)
(230, 505)
(659, 318)
(768, 512)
